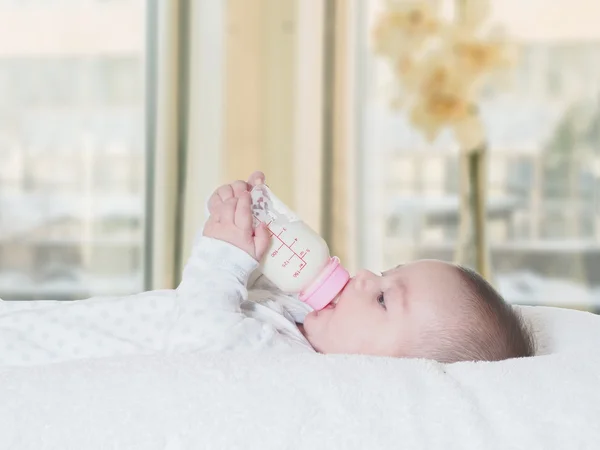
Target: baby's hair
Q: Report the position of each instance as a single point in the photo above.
(492, 330)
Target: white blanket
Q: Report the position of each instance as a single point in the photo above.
(278, 401)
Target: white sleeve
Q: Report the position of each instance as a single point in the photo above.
(216, 276)
(208, 310)
(255, 276)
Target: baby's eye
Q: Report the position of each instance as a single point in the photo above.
(381, 300)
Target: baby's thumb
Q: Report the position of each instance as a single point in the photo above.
(262, 239)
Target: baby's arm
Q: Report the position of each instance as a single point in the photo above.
(215, 279)
(236, 188)
(230, 222)
(216, 275)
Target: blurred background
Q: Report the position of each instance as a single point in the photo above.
(119, 117)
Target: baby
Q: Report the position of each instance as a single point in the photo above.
(424, 309)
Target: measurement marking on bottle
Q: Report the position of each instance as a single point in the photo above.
(289, 247)
(297, 272)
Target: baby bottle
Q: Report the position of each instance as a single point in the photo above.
(298, 259)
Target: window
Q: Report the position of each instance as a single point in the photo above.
(72, 193)
(543, 215)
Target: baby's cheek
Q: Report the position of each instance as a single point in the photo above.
(357, 299)
(310, 317)
(310, 324)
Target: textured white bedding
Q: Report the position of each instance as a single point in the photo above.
(269, 400)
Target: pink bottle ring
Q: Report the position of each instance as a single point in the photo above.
(327, 286)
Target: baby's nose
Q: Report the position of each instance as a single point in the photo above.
(364, 279)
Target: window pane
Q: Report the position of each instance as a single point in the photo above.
(71, 148)
(544, 177)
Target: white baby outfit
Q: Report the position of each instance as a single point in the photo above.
(211, 310)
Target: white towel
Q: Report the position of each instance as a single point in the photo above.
(280, 401)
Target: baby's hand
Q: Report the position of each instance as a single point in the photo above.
(231, 221)
(234, 189)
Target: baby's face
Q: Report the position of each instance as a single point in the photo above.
(388, 315)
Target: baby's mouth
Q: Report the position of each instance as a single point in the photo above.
(337, 298)
(333, 302)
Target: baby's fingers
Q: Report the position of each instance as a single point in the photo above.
(256, 178)
(220, 195)
(213, 202)
(239, 187)
(243, 212)
(225, 192)
(226, 211)
(262, 240)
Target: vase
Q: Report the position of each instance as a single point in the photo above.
(472, 248)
